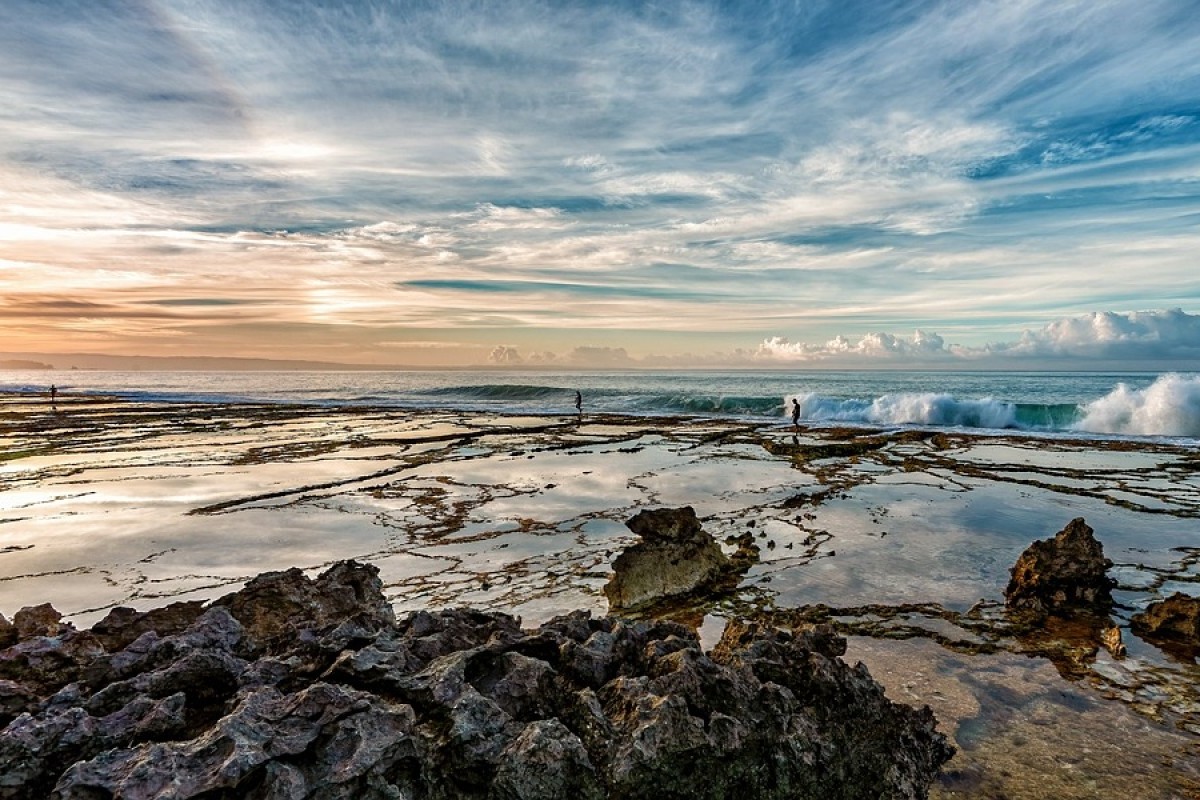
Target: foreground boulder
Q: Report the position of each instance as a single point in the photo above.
(294, 688)
(1175, 620)
(675, 557)
(1063, 575)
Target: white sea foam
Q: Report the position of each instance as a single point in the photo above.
(927, 408)
(1168, 407)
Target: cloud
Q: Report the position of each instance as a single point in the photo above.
(1171, 334)
(583, 357)
(491, 217)
(505, 356)
(1098, 336)
(604, 175)
(870, 347)
(599, 357)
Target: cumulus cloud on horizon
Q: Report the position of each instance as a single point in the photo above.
(922, 344)
(1170, 335)
(1154, 336)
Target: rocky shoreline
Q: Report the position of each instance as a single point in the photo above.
(900, 541)
(301, 688)
(308, 689)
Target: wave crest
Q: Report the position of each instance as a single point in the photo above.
(1168, 407)
(501, 392)
(928, 408)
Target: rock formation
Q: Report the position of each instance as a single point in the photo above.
(1062, 575)
(295, 688)
(1112, 640)
(675, 557)
(1175, 620)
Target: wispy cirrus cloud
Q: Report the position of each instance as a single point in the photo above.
(570, 175)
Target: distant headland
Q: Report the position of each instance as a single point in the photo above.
(19, 363)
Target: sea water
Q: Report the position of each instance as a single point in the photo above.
(1106, 403)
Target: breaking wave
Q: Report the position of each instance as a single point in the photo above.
(1168, 407)
(914, 409)
(1126, 404)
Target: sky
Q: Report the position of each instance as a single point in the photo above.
(603, 184)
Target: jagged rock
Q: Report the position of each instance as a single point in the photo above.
(548, 761)
(1175, 620)
(277, 606)
(41, 620)
(675, 557)
(324, 696)
(45, 663)
(1110, 637)
(1062, 575)
(8, 632)
(122, 625)
(14, 698)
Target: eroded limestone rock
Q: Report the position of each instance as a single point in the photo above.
(1175, 620)
(316, 692)
(122, 625)
(675, 557)
(41, 620)
(1062, 575)
(282, 605)
(8, 632)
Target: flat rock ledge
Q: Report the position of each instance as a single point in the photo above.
(298, 688)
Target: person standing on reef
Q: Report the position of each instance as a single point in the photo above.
(579, 405)
(53, 395)
(796, 413)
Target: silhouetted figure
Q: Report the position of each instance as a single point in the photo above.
(796, 413)
(579, 404)
(53, 395)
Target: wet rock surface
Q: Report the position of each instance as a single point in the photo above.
(299, 688)
(1175, 620)
(1062, 575)
(675, 557)
(883, 534)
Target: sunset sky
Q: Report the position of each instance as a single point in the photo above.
(602, 184)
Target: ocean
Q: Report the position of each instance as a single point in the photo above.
(1103, 403)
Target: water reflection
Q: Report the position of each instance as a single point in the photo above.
(894, 535)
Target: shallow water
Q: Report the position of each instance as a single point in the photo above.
(1025, 733)
(106, 504)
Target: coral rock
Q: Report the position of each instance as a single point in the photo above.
(316, 693)
(122, 625)
(1176, 619)
(1062, 575)
(675, 557)
(41, 620)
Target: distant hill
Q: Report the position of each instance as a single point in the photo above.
(169, 363)
(18, 363)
